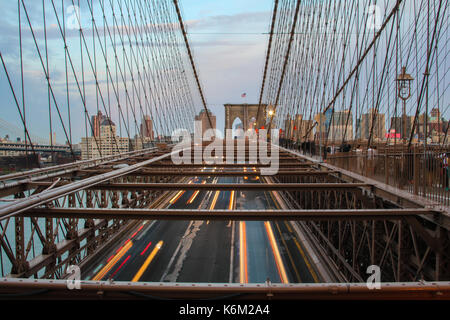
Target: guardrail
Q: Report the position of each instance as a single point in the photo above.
(424, 174)
(417, 170)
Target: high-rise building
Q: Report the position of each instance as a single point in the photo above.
(397, 125)
(147, 128)
(107, 143)
(341, 127)
(334, 127)
(96, 121)
(321, 131)
(203, 117)
(288, 132)
(374, 122)
(436, 126)
(420, 126)
(302, 129)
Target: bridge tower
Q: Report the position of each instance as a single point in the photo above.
(245, 112)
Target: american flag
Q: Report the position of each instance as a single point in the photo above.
(243, 95)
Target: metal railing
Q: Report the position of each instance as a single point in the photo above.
(424, 174)
(420, 171)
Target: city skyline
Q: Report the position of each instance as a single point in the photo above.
(353, 130)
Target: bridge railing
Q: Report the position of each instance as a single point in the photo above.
(421, 172)
(424, 174)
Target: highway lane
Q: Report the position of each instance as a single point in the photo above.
(294, 254)
(257, 259)
(273, 249)
(208, 259)
(125, 260)
(296, 260)
(204, 251)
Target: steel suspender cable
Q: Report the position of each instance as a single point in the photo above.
(269, 48)
(191, 59)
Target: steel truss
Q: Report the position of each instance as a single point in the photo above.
(406, 248)
(67, 240)
(73, 214)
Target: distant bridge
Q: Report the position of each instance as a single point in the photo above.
(12, 146)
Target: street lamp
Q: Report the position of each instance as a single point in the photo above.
(270, 110)
(404, 92)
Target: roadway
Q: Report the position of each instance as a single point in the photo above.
(209, 251)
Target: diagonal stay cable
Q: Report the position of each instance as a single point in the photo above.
(17, 103)
(269, 48)
(180, 20)
(286, 59)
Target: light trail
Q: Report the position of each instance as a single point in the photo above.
(302, 253)
(176, 197)
(148, 245)
(111, 263)
(243, 269)
(291, 259)
(192, 198)
(231, 204)
(194, 195)
(121, 265)
(213, 203)
(276, 253)
(308, 265)
(147, 262)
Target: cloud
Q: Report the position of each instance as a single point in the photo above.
(233, 22)
(228, 64)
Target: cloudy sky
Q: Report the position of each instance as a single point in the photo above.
(228, 40)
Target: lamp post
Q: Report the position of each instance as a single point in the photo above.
(270, 113)
(404, 92)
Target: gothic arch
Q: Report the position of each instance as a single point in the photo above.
(245, 112)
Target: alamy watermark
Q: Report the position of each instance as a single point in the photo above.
(74, 278)
(73, 20)
(374, 18)
(374, 280)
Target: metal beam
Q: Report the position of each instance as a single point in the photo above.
(228, 186)
(231, 165)
(256, 215)
(399, 197)
(21, 205)
(73, 165)
(191, 173)
(32, 288)
(221, 186)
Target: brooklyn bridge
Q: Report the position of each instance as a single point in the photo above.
(333, 183)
